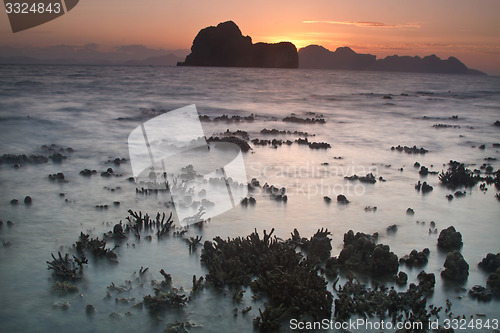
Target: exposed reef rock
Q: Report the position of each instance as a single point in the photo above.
(415, 258)
(387, 304)
(271, 267)
(410, 150)
(490, 263)
(449, 239)
(244, 146)
(369, 178)
(458, 175)
(362, 254)
(457, 269)
(493, 282)
(225, 46)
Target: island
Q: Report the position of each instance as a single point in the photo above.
(225, 46)
(318, 57)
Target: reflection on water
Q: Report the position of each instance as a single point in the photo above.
(95, 112)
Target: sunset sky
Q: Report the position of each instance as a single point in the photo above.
(467, 29)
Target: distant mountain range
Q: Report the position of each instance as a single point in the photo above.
(318, 57)
(90, 54)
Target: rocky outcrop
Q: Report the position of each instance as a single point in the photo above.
(457, 268)
(362, 254)
(225, 46)
(449, 239)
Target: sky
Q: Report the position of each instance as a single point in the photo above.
(466, 29)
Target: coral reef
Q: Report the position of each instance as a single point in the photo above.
(457, 268)
(449, 239)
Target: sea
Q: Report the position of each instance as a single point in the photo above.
(93, 110)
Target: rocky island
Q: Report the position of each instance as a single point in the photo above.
(318, 57)
(225, 46)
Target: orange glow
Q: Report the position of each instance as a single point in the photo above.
(382, 27)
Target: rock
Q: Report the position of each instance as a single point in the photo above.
(225, 46)
(410, 211)
(28, 200)
(449, 239)
(410, 150)
(320, 245)
(64, 288)
(480, 293)
(295, 119)
(459, 194)
(401, 279)
(415, 258)
(423, 171)
(57, 157)
(88, 172)
(490, 263)
(10, 223)
(14, 202)
(360, 253)
(57, 177)
(416, 165)
(244, 146)
(369, 178)
(331, 267)
(342, 199)
(449, 197)
(90, 309)
(425, 188)
(327, 199)
(457, 268)
(458, 175)
(493, 282)
(118, 229)
(392, 228)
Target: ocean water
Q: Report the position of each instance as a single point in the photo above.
(93, 109)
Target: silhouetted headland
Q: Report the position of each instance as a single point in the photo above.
(318, 57)
(225, 46)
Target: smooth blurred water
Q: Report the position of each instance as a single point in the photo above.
(93, 109)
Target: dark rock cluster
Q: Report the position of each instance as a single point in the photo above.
(458, 175)
(388, 304)
(456, 268)
(274, 131)
(369, 178)
(424, 187)
(244, 146)
(342, 199)
(410, 150)
(295, 119)
(415, 258)
(23, 159)
(493, 282)
(449, 239)
(361, 254)
(273, 268)
(490, 263)
(480, 293)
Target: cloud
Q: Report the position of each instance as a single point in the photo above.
(367, 24)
